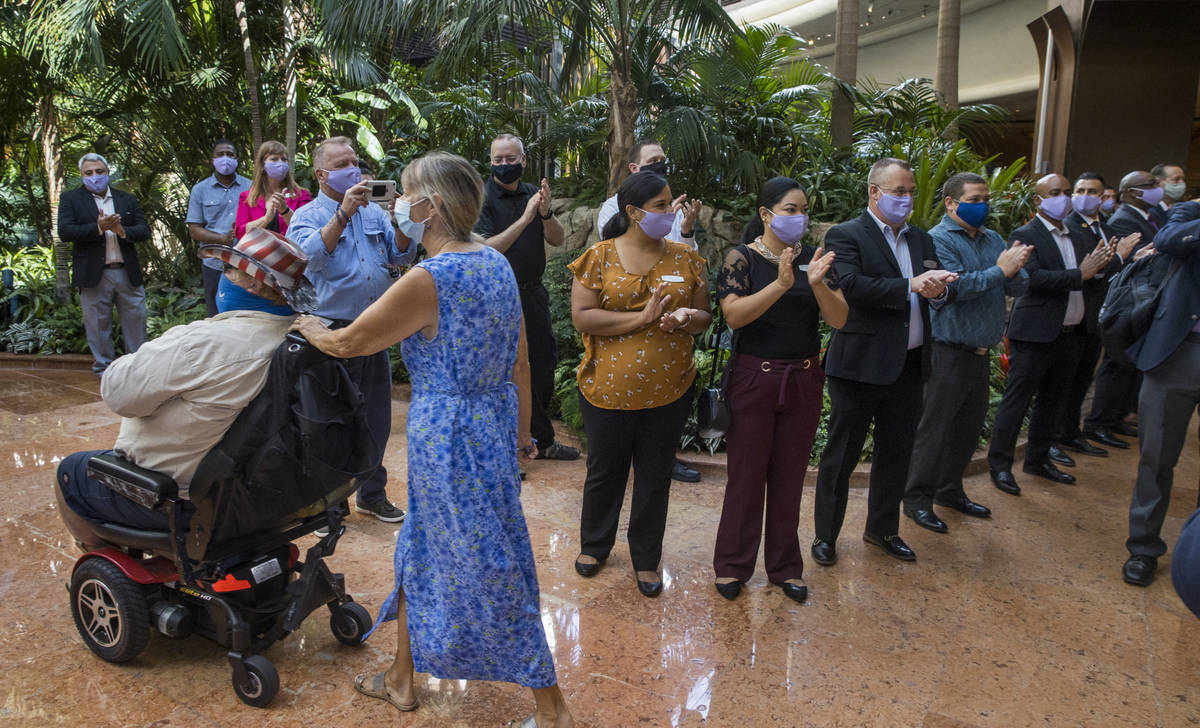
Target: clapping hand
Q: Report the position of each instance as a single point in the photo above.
(677, 319)
(659, 298)
(932, 283)
(544, 199)
(1125, 245)
(821, 263)
(1013, 259)
(1095, 261)
(691, 212)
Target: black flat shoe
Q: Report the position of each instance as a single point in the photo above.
(1049, 472)
(824, 552)
(1126, 429)
(892, 545)
(1058, 456)
(650, 588)
(926, 518)
(965, 506)
(1004, 480)
(1083, 447)
(729, 589)
(587, 570)
(1139, 570)
(684, 474)
(796, 592)
(1104, 436)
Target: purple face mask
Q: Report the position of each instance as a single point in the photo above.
(789, 228)
(657, 224)
(895, 208)
(340, 180)
(1055, 207)
(1086, 205)
(224, 165)
(278, 170)
(1108, 204)
(1152, 196)
(96, 184)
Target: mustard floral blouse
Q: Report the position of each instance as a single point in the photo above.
(648, 367)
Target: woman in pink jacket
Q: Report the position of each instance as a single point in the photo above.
(273, 193)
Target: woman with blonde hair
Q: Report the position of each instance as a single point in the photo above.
(466, 596)
(273, 193)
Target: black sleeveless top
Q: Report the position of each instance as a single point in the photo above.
(790, 328)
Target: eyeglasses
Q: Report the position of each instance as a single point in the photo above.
(511, 159)
(901, 191)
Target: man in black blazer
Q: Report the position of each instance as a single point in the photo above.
(1088, 194)
(1169, 354)
(1045, 333)
(102, 224)
(1116, 383)
(876, 363)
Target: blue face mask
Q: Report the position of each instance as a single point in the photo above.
(972, 213)
(412, 229)
(232, 297)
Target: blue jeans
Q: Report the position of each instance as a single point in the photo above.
(95, 501)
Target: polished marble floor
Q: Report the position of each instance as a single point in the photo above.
(1021, 620)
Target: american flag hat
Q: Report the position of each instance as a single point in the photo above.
(271, 259)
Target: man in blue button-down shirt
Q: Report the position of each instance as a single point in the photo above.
(964, 331)
(353, 256)
(212, 209)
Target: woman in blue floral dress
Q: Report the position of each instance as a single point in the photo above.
(466, 595)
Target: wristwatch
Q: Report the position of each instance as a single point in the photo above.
(546, 217)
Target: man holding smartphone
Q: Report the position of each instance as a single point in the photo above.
(352, 245)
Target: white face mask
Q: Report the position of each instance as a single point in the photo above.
(412, 229)
(1175, 190)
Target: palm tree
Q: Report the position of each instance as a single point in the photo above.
(239, 9)
(621, 39)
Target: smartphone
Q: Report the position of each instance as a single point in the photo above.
(381, 190)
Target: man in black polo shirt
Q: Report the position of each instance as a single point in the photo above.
(517, 220)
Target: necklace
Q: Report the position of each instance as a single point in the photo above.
(761, 248)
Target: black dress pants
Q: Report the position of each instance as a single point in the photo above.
(1041, 370)
(955, 407)
(647, 439)
(1081, 381)
(1116, 387)
(895, 409)
(543, 357)
(373, 375)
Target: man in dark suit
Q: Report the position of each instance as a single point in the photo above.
(102, 224)
(1116, 383)
(1086, 200)
(877, 361)
(1045, 333)
(1169, 354)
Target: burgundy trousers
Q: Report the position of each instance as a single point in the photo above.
(774, 410)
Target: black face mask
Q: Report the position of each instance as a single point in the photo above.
(507, 173)
(655, 167)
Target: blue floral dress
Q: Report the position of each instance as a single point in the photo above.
(463, 557)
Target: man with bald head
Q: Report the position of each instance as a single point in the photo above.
(354, 252)
(1045, 332)
(1115, 394)
(877, 362)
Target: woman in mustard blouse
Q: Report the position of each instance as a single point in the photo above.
(638, 300)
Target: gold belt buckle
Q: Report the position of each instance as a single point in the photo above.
(765, 366)
(807, 363)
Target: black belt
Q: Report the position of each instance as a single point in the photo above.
(114, 265)
(528, 285)
(976, 350)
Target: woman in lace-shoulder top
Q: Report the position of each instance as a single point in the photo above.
(774, 291)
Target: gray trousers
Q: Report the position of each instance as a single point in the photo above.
(97, 304)
(1170, 392)
(955, 407)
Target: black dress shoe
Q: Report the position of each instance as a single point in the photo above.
(926, 518)
(729, 590)
(1004, 480)
(1049, 472)
(1139, 570)
(1060, 457)
(824, 552)
(965, 505)
(585, 569)
(1104, 436)
(683, 473)
(1126, 429)
(893, 545)
(1083, 447)
(650, 588)
(795, 592)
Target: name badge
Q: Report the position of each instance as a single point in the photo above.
(672, 279)
(931, 264)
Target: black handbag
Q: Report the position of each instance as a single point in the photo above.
(712, 409)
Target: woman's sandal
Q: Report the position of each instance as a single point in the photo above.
(378, 690)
